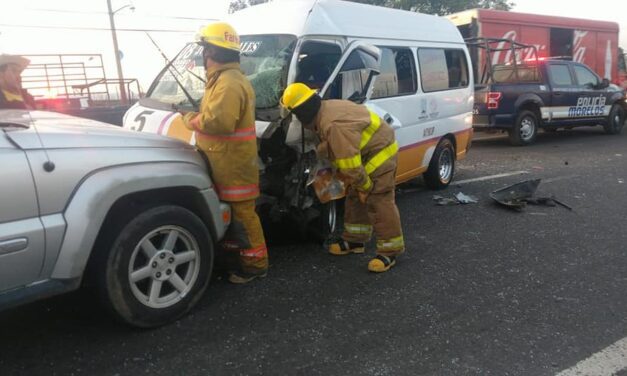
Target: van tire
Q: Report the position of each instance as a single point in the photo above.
(442, 166)
(525, 129)
(615, 120)
(329, 223)
(115, 266)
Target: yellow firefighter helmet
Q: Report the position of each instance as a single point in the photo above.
(295, 95)
(219, 34)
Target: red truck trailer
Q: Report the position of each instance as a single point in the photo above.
(593, 43)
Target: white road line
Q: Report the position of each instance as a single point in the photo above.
(558, 178)
(608, 361)
(489, 177)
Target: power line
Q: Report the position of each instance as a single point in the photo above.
(105, 13)
(95, 28)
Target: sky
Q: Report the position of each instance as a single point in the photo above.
(141, 59)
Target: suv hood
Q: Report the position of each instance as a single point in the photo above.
(60, 131)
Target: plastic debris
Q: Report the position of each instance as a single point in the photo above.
(517, 196)
(514, 196)
(465, 199)
(458, 199)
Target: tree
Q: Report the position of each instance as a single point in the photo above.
(241, 4)
(439, 7)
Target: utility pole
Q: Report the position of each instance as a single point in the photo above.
(123, 97)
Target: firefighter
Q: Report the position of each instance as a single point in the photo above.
(363, 148)
(225, 132)
(12, 95)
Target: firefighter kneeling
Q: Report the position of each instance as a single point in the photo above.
(363, 148)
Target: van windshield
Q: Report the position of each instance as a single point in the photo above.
(264, 59)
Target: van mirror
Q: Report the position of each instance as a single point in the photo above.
(360, 96)
(358, 60)
(355, 73)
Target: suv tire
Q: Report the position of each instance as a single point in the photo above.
(615, 120)
(525, 129)
(442, 166)
(156, 267)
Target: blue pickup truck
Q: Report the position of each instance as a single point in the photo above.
(537, 93)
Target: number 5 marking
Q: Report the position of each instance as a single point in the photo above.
(141, 119)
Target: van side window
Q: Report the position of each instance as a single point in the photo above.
(560, 75)
(442, 69)
(398, 73)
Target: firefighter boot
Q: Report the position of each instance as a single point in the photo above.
(344, 248)
(240, 278)
(380, 263)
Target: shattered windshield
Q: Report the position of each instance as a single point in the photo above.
(264, 60)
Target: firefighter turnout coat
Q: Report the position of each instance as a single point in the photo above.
(357, 141)
(363, 148)
(226, 133)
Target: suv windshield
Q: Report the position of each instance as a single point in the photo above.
(264, 59)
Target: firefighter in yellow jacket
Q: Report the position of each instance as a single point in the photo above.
(225, 132)
(363, 148)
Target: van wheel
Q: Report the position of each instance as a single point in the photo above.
(442, 166)
(525, 129)
(329, 221)
(156, 267)
(615, 120)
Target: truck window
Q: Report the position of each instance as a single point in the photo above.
(560, 75)
(442, 69)
(585, 77)
(398, 73)
(523, 73)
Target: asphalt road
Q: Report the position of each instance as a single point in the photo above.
(481, 290)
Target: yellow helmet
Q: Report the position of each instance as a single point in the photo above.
(295, 95)
(219, 34)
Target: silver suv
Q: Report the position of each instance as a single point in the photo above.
(134, 213)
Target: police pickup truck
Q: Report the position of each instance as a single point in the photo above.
(546, 93)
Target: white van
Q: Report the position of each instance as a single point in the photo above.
(412, 69)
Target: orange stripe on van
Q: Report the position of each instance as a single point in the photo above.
(410, 156)
(178, 130)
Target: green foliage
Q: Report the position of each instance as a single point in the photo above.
(439, 7)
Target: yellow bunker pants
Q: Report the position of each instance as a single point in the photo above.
(253, 254)
(379, 212)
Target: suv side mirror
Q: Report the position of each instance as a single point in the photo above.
(604, 84)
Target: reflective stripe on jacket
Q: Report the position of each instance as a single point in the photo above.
(358, 142)
(226, 133)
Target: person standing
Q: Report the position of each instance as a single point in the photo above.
(12, 95)
(225, 133)
(363, 148)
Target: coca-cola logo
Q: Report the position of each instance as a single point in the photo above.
(579, 49)
(501, 57)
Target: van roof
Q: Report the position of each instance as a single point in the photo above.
(342, 18)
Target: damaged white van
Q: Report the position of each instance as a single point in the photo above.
(412, 69)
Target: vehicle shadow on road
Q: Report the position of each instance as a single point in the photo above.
(544, 138)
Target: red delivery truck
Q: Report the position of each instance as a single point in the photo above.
(593, 43)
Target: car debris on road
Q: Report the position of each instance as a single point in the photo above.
(457, 199)
(518, 195)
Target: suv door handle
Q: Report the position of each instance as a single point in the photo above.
(557, 94)
(13, 245)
